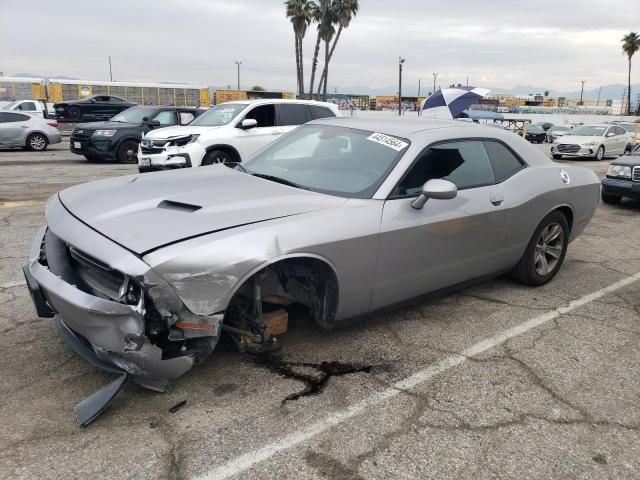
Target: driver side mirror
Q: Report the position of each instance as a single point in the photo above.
(248, 123)
(437, 189)
(153, 123)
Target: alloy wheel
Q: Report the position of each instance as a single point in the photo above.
(549, 248)
(37, 142)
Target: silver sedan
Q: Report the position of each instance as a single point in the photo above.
(345, 216)
(26, 131)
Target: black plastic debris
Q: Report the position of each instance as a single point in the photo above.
(177, 406)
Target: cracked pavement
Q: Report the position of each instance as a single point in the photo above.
(558, 401)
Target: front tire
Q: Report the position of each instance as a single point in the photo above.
(600, 153)
(75, 113)
(610, 199)
(217, 156)
(37, 142)
(128, 152)
(545, 253)
(557, 156)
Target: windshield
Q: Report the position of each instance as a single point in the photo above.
(336, 160)
(560, 129)
(535, 128)
(219, 115)
(134, 115)
(8, 106)
(589, 131)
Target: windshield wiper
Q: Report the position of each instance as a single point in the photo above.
(281, 180)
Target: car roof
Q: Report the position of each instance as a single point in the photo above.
(401, 127)
(257, 101)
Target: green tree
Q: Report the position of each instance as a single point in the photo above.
(323, 15)
(630, 45)
(343, 12)
(300, 13)
(257, 88)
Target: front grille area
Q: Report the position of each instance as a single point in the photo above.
(635, 176)
(81, 135)
(568, 148)
(152, 146)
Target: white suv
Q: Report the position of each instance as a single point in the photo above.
(229, 132)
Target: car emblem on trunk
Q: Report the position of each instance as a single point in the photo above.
(565, 176)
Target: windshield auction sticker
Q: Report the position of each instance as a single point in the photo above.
(391, 142)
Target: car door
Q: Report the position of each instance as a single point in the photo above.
(447, 241)
(611, 141)
(624, 138)
(14, 128)
(291, 115)
(252, 139)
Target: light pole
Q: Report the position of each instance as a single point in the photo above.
(400, 62)
(435, 75)
(582, 91)
(238, 64)
(110, 73)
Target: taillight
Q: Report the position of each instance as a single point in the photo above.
(52, 123)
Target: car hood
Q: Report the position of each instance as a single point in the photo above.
(628, 160)
(579, 139)
(104, 125)
(145, 212)
(178, 131)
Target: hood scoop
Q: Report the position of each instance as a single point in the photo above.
(179, 206)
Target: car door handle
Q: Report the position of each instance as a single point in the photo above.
(496, 199)
(24, 126)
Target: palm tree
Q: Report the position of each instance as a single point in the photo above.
(322, 14)
(630, 45)
(344, 11)
(299, 11)
(327, 30)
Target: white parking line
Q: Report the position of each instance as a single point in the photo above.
(248, 460)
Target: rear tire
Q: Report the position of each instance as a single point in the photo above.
(128, 152)
(37, 142)
(610, 199)
(217, 156)
(545, 253)
(600, 153)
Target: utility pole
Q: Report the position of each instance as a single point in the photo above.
(400, 62)
(238, 64)
(599, 92)
(435, 75)
(418, 86)
(467, 80)
(582, 91)
(110, 72)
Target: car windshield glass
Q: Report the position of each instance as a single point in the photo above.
(219, 115)
(134, 115)
(536, 128)
(560, 129)
(589, 131)
(9, 105)
(335, 160)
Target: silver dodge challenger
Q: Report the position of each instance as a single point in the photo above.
(344, 216)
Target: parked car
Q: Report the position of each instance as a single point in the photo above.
(557, 131)
(345, 216)
(36, 108)
(228, 132)
(118, 139)
(593, 141)
(95, 107)
(26, 131)
(534, 133)
(623, 178)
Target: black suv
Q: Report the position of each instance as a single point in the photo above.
(623, 178)
(118, 138)
(96, 107)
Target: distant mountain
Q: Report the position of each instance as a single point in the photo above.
(609, 92)
(47, 77)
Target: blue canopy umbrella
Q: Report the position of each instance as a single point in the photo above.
(451, 102)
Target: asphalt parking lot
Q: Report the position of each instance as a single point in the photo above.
(495, 381)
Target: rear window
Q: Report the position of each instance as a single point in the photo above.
(293, 114)
(320, 112)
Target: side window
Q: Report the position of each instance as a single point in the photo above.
(115, 99)
(504, 162)
(28, 106)
(166, 117)
(320, 112)
(293, 114)
(265, 115)
(620, 131)
(186, 117)
(15, 117)
(609, 131)
(464, 163)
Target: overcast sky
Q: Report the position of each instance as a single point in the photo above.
(546, 43)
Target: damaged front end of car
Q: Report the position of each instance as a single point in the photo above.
(116, 313)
